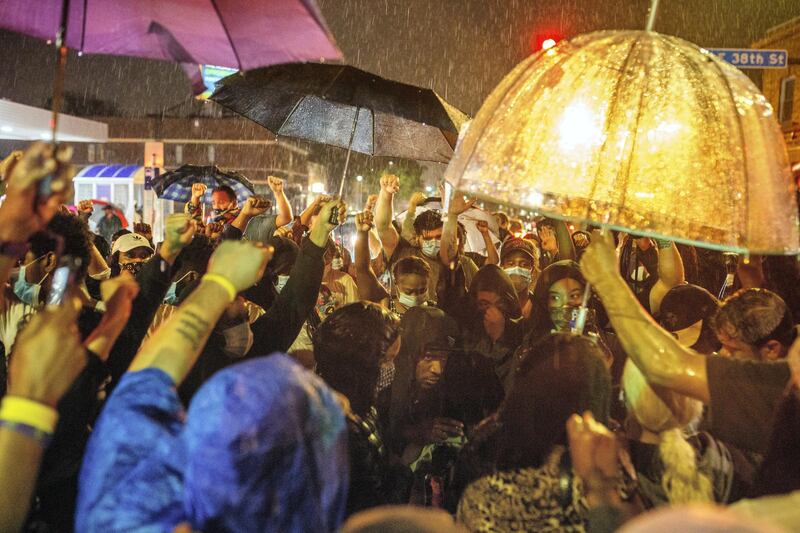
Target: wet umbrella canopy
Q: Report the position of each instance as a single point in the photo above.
(638, 131)
(323, 103)
(239, 34)
(177, 184)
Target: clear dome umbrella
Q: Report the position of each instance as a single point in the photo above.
(637, 131)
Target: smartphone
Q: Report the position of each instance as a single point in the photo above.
(64, 276)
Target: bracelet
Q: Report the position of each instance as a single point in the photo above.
(223, 282)
(42, 437)
(18, 410)
(663, 244)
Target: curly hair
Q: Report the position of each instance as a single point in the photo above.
(349, 346)
(74, 236)
(667, 413)
(428, 221)
(756, 316)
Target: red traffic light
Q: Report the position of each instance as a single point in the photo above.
(545, 41)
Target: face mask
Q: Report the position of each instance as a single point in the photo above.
(28, 292)
(519, 271)
(238, 340)
(410, 300)
(430, 247)
(171, 297)
(281, 283)
(102, 276)
(133, 268)
(337, 264)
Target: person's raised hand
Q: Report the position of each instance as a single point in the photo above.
(390, 184)
(322, 223)
(179, 232)
(23, 212)
(240, 262)
(275, 185)
(548, 239)
(364, 221)
(482, 226)
(255, 206)
(599, 259)
(8, 163)
(372, 199)
(594, 451)
(198, 190)
(48, 356)
(459, 204)
(144, 230)
(417, 199)
(85, 208)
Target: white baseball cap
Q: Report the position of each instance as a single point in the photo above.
(129, 241)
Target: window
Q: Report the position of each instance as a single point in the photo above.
(121, 195)
(211, 154)
(90, 153)
(84, 191)
(786, 105)
(178, 154)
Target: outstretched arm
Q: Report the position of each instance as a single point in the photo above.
(175, 346)
(369, 288)
(659, 356)
(285, 214)
(384, 213)
(670, 273)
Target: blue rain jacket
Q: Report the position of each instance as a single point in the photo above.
(263, 448)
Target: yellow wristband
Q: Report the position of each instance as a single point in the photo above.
(24, 411)
(223, 282)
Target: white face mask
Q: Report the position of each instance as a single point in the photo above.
(411, 300)
(519, 271)
(238, 340)
(102, 276)
(430, 247)
(337, 264)
(281, 283)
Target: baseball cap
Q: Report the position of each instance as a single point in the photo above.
(129, 241)
(515, 244)
(685, 305)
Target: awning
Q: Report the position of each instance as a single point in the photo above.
(108, 171)
(24, 122)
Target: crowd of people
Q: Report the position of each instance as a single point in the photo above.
(252, 373)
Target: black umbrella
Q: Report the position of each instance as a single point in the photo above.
(346, 107)
(176, 185)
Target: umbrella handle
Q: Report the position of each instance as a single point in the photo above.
(334, 220)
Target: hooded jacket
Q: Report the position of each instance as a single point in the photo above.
(263, 448)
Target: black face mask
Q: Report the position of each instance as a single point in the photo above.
(133, 268)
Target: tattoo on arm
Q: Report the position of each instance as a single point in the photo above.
(192, 327)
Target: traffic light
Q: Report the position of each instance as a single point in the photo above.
(545, 41)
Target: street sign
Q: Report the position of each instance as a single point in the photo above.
(150, 173)
(752, 58)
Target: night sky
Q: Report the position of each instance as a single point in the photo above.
(460, 48)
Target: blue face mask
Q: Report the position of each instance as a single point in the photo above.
(171, 297)
(27, 292)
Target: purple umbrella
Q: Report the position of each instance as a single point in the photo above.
(241, 34)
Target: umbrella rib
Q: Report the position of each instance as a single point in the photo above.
(227, 33)
(83, 26)
(732, 187)
(611, 113)
(286, 120)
